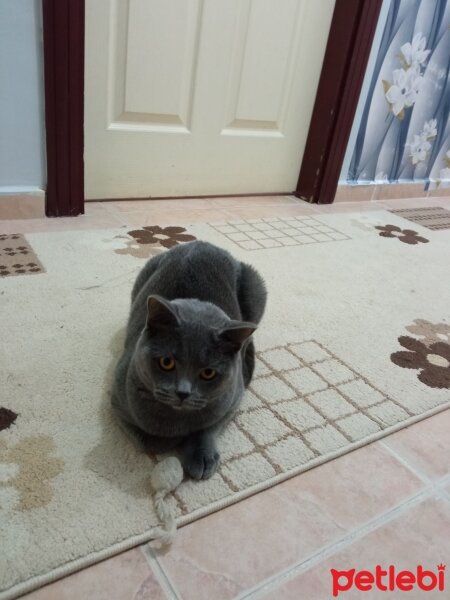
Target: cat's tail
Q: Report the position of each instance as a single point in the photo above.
(252, 293)
(166, 477)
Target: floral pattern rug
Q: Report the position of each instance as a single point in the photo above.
(17, 257)
(355, 344)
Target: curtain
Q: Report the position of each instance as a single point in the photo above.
(404, 133)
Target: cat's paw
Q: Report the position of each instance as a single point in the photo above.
(201, 464)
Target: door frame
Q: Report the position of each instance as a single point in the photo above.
(349, 43)
(63, 34)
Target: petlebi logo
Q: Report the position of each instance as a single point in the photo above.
(388, 580)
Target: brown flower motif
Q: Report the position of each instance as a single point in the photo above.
(7, 418)
(34, 466)
(407, 236)
(433, 361)
(430, 332)
(10, 236)
(139, 250)
(165, 236)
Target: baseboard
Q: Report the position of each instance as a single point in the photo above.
(387, 191)
(22, 205)
(19, 189)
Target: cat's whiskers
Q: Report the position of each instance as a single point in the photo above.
(163, 393)
(196, 404)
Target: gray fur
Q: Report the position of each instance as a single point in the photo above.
(199, 305)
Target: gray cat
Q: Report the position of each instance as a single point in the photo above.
(188, 351)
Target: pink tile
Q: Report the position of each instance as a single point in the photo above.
(426, 445)
(175, 217)
(106, 215)
(313, 585)
(443, 202)
(247, 201)
(96, 217)
(349, 207)
(123, 577)
(354, 193)
(410, 202)
(231, 551)
(420, 535)
(344, 491)
(393, 191)
(95, 208)
(22, 206)
(199, 203)
(83, 222)
(440, 192)
(165, 205)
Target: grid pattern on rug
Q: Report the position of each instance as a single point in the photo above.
(257, 234)
(17, 257)
(431, 217)
(304, 402)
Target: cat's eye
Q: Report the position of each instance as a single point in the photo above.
(208, 374)
(167, 363)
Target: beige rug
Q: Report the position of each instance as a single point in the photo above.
(355, 345)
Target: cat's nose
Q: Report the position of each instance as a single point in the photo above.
(184, 388)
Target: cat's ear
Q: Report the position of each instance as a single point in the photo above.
(236, 334)
(160, 313)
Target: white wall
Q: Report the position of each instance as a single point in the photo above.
(22, 130)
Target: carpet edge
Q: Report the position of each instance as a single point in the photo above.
(78, 564)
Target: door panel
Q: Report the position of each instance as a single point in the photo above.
(155, 82)
(197, 97)
(258, 86)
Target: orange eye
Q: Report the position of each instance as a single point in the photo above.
(167, 363)
(208, 374)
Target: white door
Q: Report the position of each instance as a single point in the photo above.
(198, 97)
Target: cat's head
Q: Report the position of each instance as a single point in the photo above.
(188, 353)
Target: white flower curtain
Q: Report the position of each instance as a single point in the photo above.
(404, 134)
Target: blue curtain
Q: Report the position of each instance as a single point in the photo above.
(404, 133)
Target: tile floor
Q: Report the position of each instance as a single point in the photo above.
(388, 502)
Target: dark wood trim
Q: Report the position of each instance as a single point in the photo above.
(63, 25)
(348, 49)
